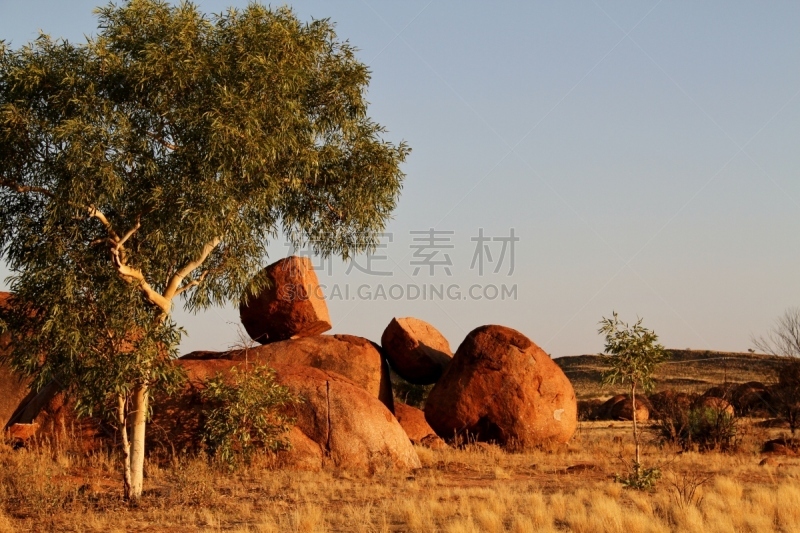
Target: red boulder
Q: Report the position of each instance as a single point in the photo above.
(416, 427)
(782, 446)
(350, 427)
(416, 350)
(502, 387)
(353, 357)
(620, 407)
(669, 403)
(291, 306)
(751, 397)
(49, 415)
(13, 388)
(714, 403)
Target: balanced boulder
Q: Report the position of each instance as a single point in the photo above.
(353, 357)
(416, 350)
(502, 387)
(292, 305)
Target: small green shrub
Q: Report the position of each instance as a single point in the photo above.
(640, 478)
(712, 429)
(703, 428)
(672, 424)
(245, 411)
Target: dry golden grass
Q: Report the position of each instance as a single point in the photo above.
(476, 489)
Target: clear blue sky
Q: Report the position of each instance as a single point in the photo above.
(645, 154)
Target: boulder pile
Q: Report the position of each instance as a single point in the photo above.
(499, 386)
(337, 423)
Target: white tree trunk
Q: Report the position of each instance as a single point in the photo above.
(139, 414)
(635, 428)
(136, 413)
(122, 419)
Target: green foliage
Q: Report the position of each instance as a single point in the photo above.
(245, 411)
(158, 159)
(701, 428)
(192, 128)
(98, 342)
(712, 429)
(639, 478)
(632, 353)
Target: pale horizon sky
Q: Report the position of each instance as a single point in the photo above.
(645, 154)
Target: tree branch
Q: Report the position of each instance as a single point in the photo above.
(129, 233)
(14, 186)
(178, 277)
(126, 272)
(96, 213)
(106, 240)
(193, 283)
(134, 275)
(160, 140)
(116, 243)
(334, 211)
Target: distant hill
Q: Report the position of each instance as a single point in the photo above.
(685, 370)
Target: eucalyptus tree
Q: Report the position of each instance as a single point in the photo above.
(157, 159)
(632, 354)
